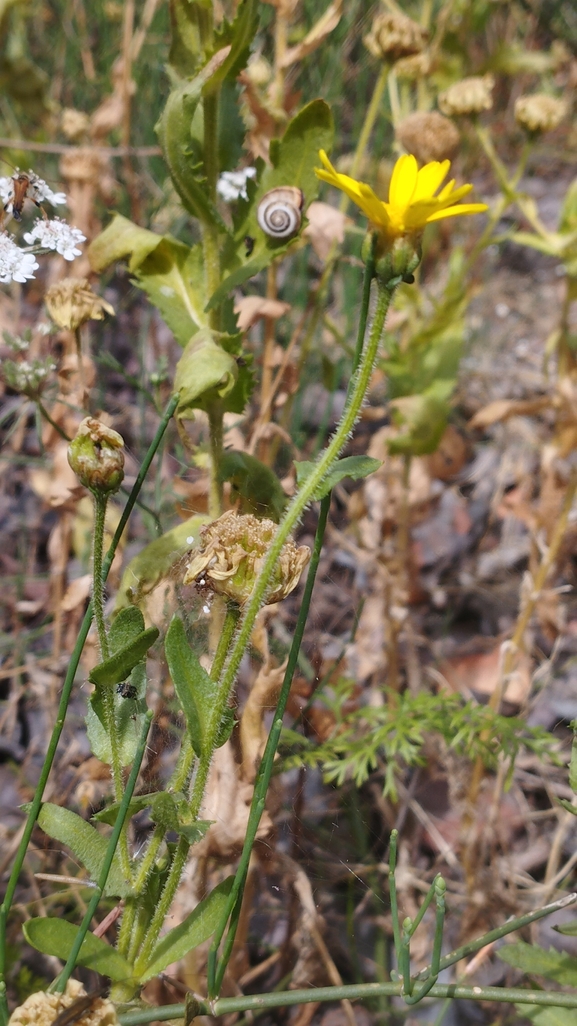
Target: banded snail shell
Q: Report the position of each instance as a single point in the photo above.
(279, 212)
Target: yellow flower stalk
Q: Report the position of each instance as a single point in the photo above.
(412, 201)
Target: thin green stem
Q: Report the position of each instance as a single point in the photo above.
(64, 976)
(426, 902)
(215, 425)
(63, 705)
(232, 911)
(368, 124)
(304, 496)
(393, 894)
(44, 412)
(100, 504)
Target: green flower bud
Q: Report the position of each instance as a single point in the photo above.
(395, 259)
(96, 455)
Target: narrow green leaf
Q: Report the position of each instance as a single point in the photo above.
(118, 667)
(157, 560)
(567, 929)
(87, 844)
(137, 804)
(226, 727)
(350, 466)
(196, 928)
(255, 484)
(56, 937)
(195, 690)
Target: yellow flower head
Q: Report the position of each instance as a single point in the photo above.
(412, 201)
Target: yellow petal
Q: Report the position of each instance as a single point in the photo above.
(429, 179)
(403, 181)
(463, 208)
(450, 197)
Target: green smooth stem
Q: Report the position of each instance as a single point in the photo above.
(44, 412)
(427, 901)
(103, 875)
(232, 911)
(439, 927)
(393, 895)
(405, 959)
(501, 931)
(215, 425)
(368, 125)
(226, 636)
(301, 500)
(352, 992)
(63, 705)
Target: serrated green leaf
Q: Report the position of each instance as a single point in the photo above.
(255, 484)
(173, 278)
(350, 466)
(157, 559)
(294, 159)
(195, 690)
(186, 50)
(204, 372)
(530, 958)
(122, 238)
(119, 666)
(87, 844)
(194, 930)
(194, 832)
(56, 937)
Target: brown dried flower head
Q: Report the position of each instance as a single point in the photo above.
(469, 96)
(96, 455)
(393, 36)
(429, 135)
(74, 123)
(539, 113)
(41, 1009)
(419, 65)
(71, 302)
(232, 552)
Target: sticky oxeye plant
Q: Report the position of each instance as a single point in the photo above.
(246, 560)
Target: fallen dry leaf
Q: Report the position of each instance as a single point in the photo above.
(325, 229)
(480, 672)
(313, 39)
(251, 308)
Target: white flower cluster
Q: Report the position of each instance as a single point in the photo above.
(38, 190)
(15, 264)
(232, 184)
(57, 235)
(28, 376)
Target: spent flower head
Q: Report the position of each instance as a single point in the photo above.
(469, 96)
(539, 112)
(393, 35)
(232, 552)
(15, 264)
(71, 302)
(429, 135)
(56, 235)
(42, 1008)
(96, 455)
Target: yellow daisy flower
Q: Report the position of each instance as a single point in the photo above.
(412, 202)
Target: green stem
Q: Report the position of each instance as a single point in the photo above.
(306, 495)
(232, 910)
(369, 123)
(215, 425)
(352, 992)
(100, 504)
(112, 844)
(44, 412)
(63, 705)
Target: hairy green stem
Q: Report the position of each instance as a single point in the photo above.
(63, 705)
(302, 499)
(232, 910)
(64, 976)
(100, 504)
(215, 426)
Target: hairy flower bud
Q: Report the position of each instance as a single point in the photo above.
(42, 1008)
(469, 96)
(539, 113)
(393, 36)
(96, 456)
(232, 552)
(429, 135)
(395, 259)
(71, 302)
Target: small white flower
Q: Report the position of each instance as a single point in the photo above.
(15, 265)
(6, 190)
(57, 235)
(232, 184)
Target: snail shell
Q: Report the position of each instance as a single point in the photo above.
(279, 212)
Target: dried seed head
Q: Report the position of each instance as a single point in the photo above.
(42, 1008)
(393, 36)
(232, 552)
(96, 456)
(539, 113)
(419, 65)
(430, 136)
(74, 123)
(469, 96)
(71, 302)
